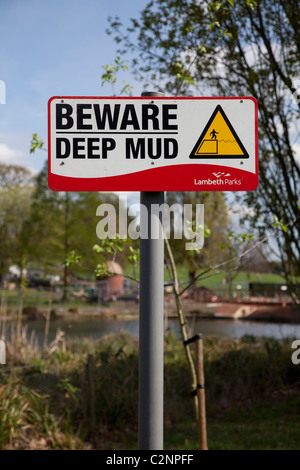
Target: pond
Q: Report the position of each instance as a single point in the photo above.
(95, 328)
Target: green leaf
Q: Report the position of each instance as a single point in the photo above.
(36, 143)
(72, 259)
(98, 249)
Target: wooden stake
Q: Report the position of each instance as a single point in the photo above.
(3, 315)
(48, 315)
(91, 385)
(201, 395)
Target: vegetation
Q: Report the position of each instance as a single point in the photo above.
(252, 395)
(234, 48)
(214, 280)
(15, 198)
(40, 228)
(62, 223)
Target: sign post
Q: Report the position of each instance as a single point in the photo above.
(151, 321)
(151, 328)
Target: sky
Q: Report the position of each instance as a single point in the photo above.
(50, 48)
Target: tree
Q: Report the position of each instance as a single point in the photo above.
(62, 223)
(46, 222)
(216, 220)
(232, 48)
(116, 245)
(15, 198)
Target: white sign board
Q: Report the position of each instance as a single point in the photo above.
(152, 144)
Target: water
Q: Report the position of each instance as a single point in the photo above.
(95, 328)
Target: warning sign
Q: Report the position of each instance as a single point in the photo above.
(219, 139)
(152, 143)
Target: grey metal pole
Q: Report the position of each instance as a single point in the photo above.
(151, 324)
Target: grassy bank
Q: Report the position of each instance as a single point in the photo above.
(54, 400)
(215, 280)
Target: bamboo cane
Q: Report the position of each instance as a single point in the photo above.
(201, 395)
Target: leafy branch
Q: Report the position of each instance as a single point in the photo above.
(36, 143)
(72, 259)
(110, 76)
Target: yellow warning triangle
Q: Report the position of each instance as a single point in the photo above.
(219, 139)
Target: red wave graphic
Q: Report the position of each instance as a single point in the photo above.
(190, 177)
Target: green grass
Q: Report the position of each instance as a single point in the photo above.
(214, 280)
(252, 396)
(39, 299)
(264, 426)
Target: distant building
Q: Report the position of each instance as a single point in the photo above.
(111, 287)
(201, 294)
(257, 289)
